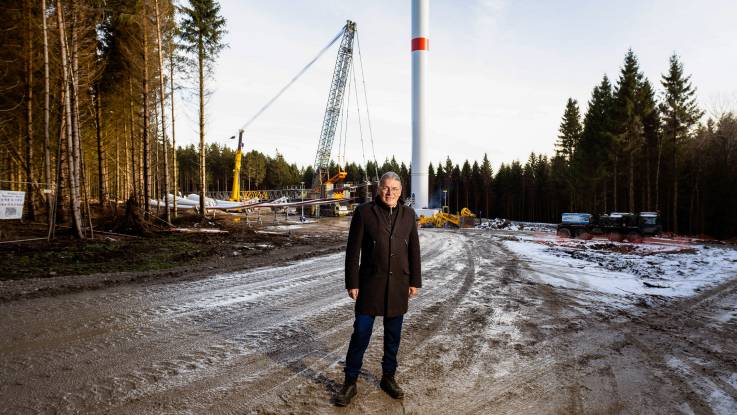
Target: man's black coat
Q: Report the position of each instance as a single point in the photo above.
(389, 261)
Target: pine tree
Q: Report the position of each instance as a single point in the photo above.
(202, 32)
(680, 113)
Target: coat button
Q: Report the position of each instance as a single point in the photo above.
(391, 273)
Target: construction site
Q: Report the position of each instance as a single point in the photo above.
(233, 301)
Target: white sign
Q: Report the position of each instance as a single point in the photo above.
(11, 204)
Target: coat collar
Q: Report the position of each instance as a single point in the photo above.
(376, 207)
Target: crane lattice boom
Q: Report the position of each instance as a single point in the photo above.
(335, 101)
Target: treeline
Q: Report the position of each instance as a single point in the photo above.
(633, 150)
(260, 171)
(87, 113)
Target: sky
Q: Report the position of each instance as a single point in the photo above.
(500, 72)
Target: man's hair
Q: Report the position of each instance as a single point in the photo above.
(390, 175)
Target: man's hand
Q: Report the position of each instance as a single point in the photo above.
(413, 291)
(353, 293)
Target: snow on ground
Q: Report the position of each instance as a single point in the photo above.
(719, 400)
(623, 269)
(505, 224)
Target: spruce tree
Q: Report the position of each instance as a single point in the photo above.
(570, 130)
(680, 113)
(568, 139)
(628, 127)
(647, 107)
(487, 175)
(592, 153)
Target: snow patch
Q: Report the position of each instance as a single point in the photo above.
(626, 269)
(505, 224)
(719, 401)
(733, 380)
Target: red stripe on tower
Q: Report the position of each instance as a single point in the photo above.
(420, 43)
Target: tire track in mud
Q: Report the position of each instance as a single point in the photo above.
(338, 338)
(227, 325)
(155, 344)
(482, 337)
(520, 296)
(132, 309)
(582, 362)
(446, 314)
(168, 366)
(679, 345)
(331, 357)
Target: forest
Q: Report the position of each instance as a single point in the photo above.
(634, 149)
(87, 120)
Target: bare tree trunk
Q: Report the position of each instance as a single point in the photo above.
(657, 174)
(173, 135)
(134, 166)
(47, 112)
(117, 168)
(203, 176)
(594, 206)
(648, 187)
(20, 168)
(101, 166)
(146, 144)
(675, 181)
(126, 187)
(692, 208)
(86, 194)
(616, 173)
(55, 211)
(632, 182)
(74, 76)
(30, 208)
(156, 179)
(604, 197)
(73, 172)
(162, 94)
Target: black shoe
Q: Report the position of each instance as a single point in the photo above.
(346, 394)
(389, 385)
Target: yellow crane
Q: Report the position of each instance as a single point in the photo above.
(235, 195)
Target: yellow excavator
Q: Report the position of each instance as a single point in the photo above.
(443, 218)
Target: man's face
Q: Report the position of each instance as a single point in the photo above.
(389, 191)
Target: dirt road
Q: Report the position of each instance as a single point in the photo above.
(485, 336)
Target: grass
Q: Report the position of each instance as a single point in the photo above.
(70, 257)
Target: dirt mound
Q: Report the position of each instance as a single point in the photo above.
(133, 222)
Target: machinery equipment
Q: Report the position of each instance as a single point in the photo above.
(616, 226)
(443, 218)
(332, 110)
(235, 195)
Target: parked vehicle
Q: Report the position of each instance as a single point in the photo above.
(616, 226)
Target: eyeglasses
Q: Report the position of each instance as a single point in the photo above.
(393, 190)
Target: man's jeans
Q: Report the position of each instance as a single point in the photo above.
(362, 328)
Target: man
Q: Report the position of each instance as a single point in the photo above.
(383, 236)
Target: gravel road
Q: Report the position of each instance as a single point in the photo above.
(484, 336)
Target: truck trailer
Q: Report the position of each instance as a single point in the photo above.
(616, 226)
